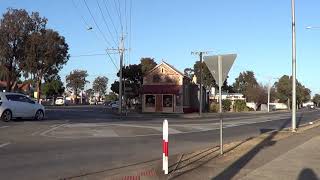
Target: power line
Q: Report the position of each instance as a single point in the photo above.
(100, 32)
(110, 17)
(105, 22)
(118, 11)
(130, 12)
(94, 20)
(83, 19)
(86, 55)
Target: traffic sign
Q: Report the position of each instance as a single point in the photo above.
(212, 63)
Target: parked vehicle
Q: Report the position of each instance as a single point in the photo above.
(15, 105)
(60, 101)
(92, 102)
(114, 104)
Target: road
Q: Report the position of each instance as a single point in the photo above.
(79, 140)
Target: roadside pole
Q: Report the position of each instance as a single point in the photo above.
(165, 147)
(269, 89)
(201, 77)
(220, 102)
(219, 66)
(120, 77)
(294, 107)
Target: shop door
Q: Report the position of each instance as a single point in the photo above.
(158, 103)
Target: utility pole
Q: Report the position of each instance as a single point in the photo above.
(294, 108)
(200, 53)
(269, 89)
(120, 50)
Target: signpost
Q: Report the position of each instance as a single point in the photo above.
(219, 67)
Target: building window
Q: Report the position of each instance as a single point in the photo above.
(167, 100)
(150, 101)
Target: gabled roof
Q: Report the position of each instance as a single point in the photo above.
(170, 66)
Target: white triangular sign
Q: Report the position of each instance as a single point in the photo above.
(212, 63)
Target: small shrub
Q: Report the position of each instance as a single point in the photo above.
(214, 107)
(226, 105)
(240, 106)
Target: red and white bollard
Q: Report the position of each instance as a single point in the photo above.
(165, 147)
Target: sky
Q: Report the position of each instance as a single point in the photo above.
(259, 32)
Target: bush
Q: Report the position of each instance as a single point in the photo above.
(240, 106)
(226, 105)
(214, 107)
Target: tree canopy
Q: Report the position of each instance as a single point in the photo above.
(316, 99)
(100, 84)
(76, 80)
(53, 87)
(147, 64)
(28, 48)
(208, 80)
(284, 90)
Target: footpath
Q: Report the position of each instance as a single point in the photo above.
(272, 155)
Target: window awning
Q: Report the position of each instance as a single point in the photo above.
(161, 89)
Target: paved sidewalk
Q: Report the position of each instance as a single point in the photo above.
(302, 162)
(278, 155)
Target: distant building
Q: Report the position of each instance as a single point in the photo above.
(166, 90)
(214, 96)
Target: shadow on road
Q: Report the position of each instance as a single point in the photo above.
(308, 174)
(191, 163)
(234, 168)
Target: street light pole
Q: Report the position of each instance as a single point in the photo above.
(269, 89)
(294, 108)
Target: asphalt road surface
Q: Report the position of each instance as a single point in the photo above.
(85, 139)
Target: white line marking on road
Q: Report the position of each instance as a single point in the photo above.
(4, 144)
(2, 127)
(38, 132)
(51, 129)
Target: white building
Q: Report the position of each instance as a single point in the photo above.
(214, 96)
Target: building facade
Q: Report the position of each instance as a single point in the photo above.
(167, 90)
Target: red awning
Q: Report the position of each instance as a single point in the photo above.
(161, 89)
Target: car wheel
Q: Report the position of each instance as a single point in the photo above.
(39, 115)
(6, 116)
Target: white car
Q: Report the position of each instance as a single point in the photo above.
(114, 105)
(15, 105)
(60, 101)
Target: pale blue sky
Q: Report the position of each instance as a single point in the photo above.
(259, 31)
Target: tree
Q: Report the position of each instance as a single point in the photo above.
(76, 81)
(90, 93)
(147, 64)
(189, 72)
(284, 91)
(46, 53)
(246, 83)
(208, 80)
(53, 87)
(100, 85)
(115, 87)
(15, 26)
(225, 87)
(316, 99)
